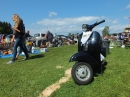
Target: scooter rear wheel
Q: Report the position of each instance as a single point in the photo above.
(82, 73)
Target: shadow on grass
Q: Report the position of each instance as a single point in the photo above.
(34, 57)
(99, 69)
(37, 56)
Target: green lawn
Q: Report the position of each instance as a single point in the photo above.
(29, 78)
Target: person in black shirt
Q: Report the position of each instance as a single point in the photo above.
(19, 37)
(27, 35)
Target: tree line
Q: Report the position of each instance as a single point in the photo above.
(5, 28)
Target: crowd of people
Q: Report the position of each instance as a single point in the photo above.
(123, 38)
(57, 41)
(21, 42)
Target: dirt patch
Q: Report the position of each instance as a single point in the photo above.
(59, 67)
(47, 92)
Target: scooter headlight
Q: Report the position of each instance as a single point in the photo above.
(84, 27)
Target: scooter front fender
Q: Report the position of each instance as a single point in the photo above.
(83, 56)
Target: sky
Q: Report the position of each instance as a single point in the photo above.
(67, 16)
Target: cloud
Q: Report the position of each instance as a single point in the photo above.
(66, 21)
(52, 14)
(74, 25)
(114, 22)
(128, 6)
(66, 25)
(117, 28)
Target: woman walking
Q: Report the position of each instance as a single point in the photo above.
(19, 37)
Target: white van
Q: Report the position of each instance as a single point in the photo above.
(39, 35)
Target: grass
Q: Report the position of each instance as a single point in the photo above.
(29, 78)
(114, 82)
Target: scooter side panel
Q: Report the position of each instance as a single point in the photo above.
(95, 42)
(83, 56)
(94, 46)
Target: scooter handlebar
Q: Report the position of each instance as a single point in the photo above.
(90, 27)
(97, 23)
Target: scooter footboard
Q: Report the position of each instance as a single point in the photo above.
(83, 56)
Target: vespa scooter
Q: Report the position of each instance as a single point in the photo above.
(90, 54)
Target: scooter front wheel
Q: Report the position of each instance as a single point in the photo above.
(82, 73)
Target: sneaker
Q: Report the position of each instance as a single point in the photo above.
(10, 62)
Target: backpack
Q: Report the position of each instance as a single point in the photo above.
(22, 28)
(23, 32)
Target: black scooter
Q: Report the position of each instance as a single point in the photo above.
(90, 54)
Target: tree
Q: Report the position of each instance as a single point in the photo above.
(105, 31)
(69, 34)
(5, 28)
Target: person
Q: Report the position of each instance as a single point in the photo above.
(19, 37)
(3, 38)
(55, 40)
(60, 41)
(106, 37)
(49, 37)
(125, 37)
(71, 39)
(27, 35)
(19, 50)
(29, 45)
